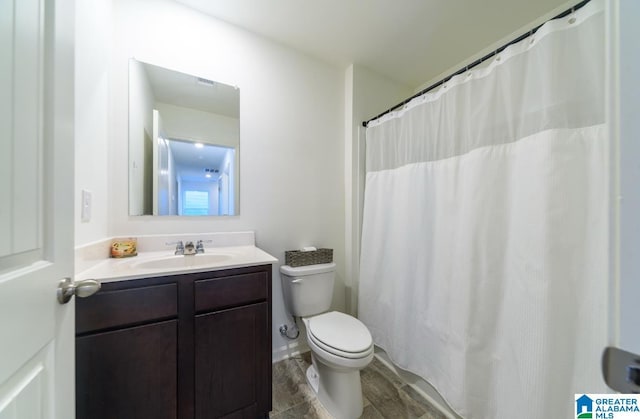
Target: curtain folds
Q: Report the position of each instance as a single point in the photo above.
(485, 228)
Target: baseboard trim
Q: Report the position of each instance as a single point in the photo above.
(289, 351)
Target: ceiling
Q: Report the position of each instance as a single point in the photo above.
(410, 41)
(192, 161)
(192, 92)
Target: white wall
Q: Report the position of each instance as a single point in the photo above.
(92, 46)
(192, 124)
(367, 94)
(291, 109)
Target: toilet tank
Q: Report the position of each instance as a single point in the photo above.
(307, 290)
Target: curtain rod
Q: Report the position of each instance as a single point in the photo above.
(477, 62)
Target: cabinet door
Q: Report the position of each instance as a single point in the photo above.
(232, 364)
(129, 373)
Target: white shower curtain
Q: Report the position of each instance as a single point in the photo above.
(485, 228)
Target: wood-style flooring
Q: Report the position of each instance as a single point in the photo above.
(385, 394)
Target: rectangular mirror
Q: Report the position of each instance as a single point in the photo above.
(184, 143)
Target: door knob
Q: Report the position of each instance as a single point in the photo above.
(633, 374)
(68, 288)
(621, 370)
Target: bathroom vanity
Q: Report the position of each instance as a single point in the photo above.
(181, 345)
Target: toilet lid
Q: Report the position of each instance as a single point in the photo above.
(341, 331)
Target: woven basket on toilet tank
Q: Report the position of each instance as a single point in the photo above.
(295, 258)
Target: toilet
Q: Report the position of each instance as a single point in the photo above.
(341, 345)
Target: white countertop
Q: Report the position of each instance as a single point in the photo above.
(137, 267)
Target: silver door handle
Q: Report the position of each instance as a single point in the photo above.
(621, 370)
(67, 288)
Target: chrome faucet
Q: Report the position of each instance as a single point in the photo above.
(189, 249)
(179, 248)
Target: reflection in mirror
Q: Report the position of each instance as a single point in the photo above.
(184, 139)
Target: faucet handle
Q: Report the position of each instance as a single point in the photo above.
(179, 247)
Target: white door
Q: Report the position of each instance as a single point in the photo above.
(622, 105)
(624, 85)
(627, 92)
(155, 161)
(36, 208)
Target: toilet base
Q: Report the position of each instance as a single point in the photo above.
(313, 379)
(338, 390)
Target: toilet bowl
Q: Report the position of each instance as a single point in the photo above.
(340, 344)
(335, 371)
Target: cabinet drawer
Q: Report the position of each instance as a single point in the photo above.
(108, 309)
(218, 293)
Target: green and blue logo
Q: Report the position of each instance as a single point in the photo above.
(584, 407)
(607, 406)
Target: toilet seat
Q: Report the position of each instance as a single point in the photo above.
(340, 334)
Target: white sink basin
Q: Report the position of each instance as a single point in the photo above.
(179, 261)
(159, 260)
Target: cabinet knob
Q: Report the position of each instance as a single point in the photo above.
(67, 288)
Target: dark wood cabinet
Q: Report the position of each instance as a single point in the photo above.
(184, 346)
(230, 366)
(128, 373)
